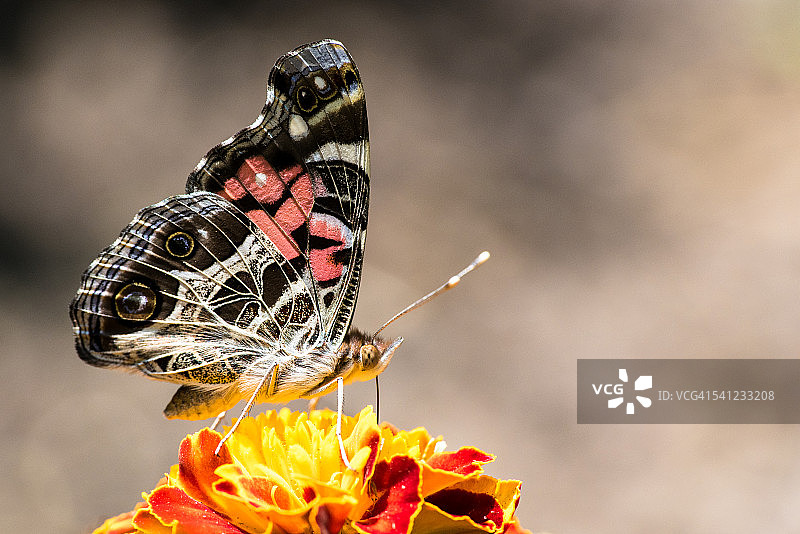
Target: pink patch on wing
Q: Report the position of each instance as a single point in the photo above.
(303, 194)
(289, 216)
(233, 190)
(267, 186)
(285, 245)
(322, 261)
(259, 178)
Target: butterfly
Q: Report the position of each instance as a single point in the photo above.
(245, 286)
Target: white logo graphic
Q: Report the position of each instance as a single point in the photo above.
(642, 383)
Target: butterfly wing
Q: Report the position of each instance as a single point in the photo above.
(259, 261)
(188, 293)
(301, 173)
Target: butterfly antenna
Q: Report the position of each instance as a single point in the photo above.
(450, 284)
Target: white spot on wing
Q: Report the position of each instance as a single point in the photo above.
(320, 83)
(350, 153)
(261, 179)
(297, 127)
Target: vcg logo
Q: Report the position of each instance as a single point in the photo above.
(617, 390)
(608, 389)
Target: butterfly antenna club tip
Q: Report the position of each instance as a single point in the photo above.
(454, 280)
(451, 283)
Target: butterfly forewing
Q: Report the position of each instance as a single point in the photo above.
(301, 173)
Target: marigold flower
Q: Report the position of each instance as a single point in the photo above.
(281, 472)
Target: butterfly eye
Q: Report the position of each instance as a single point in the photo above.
(306, 99)
(370, 356)
(180, 244)
(135, 302)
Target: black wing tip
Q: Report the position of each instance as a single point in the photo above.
(326, 42)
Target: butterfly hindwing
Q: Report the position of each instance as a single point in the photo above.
(188, 286)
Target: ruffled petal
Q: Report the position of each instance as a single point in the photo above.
(395, 489)
(197, 463)
(119, 524)
(464, 461)
(180, 514)
(447, 468)
(483, 502)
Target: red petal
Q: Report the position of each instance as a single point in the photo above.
(373, 441)
(171, 505)
(464, 461)
(197, 462)
(396, 485)
(480, 507)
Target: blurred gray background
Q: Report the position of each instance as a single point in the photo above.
(633, 168)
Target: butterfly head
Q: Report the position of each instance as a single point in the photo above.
(370, 354)
(376, 355)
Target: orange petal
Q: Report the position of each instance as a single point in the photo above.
(120, 524)
(260, 501)
(255, 491)
(328, 521)
(268, 500)
(148, 523)
(445, 469)
(197, 462)
(175, 509)
(515, 528)
(431, 519)
(396, 486)
(464, 461)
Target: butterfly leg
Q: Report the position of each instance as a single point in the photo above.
(273, 376)
(218, 419)
(340, 396)
(312, 403)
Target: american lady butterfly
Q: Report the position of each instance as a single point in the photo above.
(245, 286)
